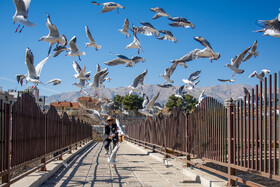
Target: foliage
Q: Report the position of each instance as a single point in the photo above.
(118, 102)
(132, 102)
(187, 104)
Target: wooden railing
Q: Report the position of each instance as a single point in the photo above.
(28, 135)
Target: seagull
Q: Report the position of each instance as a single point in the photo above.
(54, 81)
(74, 51)
(141, 30)
(20, 78)
(139, 80)
(168, 36)
(270, 27)
(261, 75)
(148, 26)
(95, 115)
(168, 72)
(130, 62)
(103, 78)
(252, 52)
(91, 40)
(124, 30)
(96, 82)
(80, 84)
(226, 80)
(149, 107)
(181, 22)
(135, 44)
(53, 36)
(246, 91)
(236, 61)
(190, 80)
(145, 101)
(109, 6)
(33, 74)
(207, 52)
(179, 92)
(104, 108)
(21, 15)
(80, 73)
(121, 129)
(113, 156)
(201, 97)
(166, 85)
(159, 13)
(188, 57)
(59, 49)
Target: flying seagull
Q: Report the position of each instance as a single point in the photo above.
(252, 52)
(95, 115)
(80, 84)
(168, 72)
(186, 58)
(270, 27)
(53, 36)
(80, 73)
(139, 80)
(124, 30)
(181, 22)
(201, 97)
(21, 15)
(207, 52)
(105, 108)
(180, 92)
(130, 62)
(109, 6)
(149, 107)
(54, 81)
(20, 78)
(168, 36)
(159, 13)
(166, 85)
(261, 75)
(145, 101)
(59, 49)
(149, 27)
(96, 79)
(236, 61)
(226, 80)
(74, 51)
(190, 80)
(135, 44)
(33, 74)
(121, 129)
(91, 40)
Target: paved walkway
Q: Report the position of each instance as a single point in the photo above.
(134, 168)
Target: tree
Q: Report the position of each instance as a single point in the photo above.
(132, 102)
(186, 104)
(118, 102)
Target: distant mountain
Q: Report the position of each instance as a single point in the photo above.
(219, 92)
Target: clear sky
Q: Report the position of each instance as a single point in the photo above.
(227, 25)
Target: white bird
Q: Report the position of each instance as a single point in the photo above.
(138, 81)
(20, 78)
(186, 58)
(149, 107)
(53, 36)
(168, 36)
(74, 51)
(113, 156)
(145, 101)
(181, 22)
(80, 84)
(159, 13)
(109, 6)
(124, 30)
(59, 49)
(190, 80)
(168, 72)
(54, 81)
(95, 115)
(130, 62)
(149, 27)
(135, 44)
(201, 97)
(236, 61)
(226, 80)
(103, 78)
(96, 82)
(33, 74)
(21, 14)
(166, 85)
(121, 129)
(80, 73)
(270, 27)
(207, 52)
(261, 75)
(105, 108)
(91, 40)
(252, 52)
(141, 30)
(179, 92)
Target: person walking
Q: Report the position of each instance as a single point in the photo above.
(111, 134)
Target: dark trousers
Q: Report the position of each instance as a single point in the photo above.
(107, 142)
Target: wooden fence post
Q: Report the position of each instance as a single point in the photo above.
(230, 117)
(188, 151)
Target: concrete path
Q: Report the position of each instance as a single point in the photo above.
(135, 167)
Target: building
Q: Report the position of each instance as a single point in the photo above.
(71, 108)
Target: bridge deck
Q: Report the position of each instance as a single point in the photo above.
(134, 168)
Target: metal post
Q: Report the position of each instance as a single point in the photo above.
(231, 171)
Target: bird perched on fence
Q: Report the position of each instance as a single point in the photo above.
(109, 6)
(21, 14)
(53, 36)
(91, 40)
(260, 75)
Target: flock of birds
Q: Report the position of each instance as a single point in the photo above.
(270, 27)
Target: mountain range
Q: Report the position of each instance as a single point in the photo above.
(219, 92)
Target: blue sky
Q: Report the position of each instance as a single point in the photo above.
(227, 25)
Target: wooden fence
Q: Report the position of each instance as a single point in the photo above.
(243, 135)
(28, 135)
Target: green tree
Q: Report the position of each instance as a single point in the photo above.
(186, 104)
(132, 102)
(118, 102)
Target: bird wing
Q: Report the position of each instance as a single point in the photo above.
(120, 126)
(20, 78)
(157, 9)
(72, 44)
(238, 59)
(139, 78)
(273, 24)
(76, 67)
(107, 9)
(194, 74)
(89, 35)
(22, 7)
(98, 68)
(125, 25)
(97, 115)
(246, 91)
(147, 24)
(52, 28)
(97, 75)
(190, 56)
(166, 32)
(253, 49)
(152, 102)
(39, 66)
(180, 90)
(117, 61)
(170, 70)
(54, 81)
(203, 42)
(253, 74)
